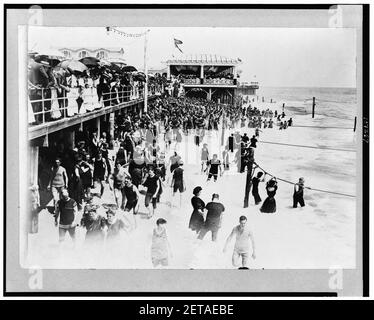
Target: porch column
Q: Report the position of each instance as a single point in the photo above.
(71, 139)
(168, 72)
(111, 125)
(34, 159)
(201, 72)
(98, 123)
(210, 94)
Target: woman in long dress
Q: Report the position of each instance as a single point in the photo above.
(87, 99)
(72, 96)
(197, 216)
(55, 107)
(95, 97)
(269, 205)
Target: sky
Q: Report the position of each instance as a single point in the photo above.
(288, 57)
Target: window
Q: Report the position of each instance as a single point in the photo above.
(101, 55)
(67, 54)
(83, 54)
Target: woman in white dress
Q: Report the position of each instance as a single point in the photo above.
(87, 99)
(72, 96)
(55, 107)
(95, 97)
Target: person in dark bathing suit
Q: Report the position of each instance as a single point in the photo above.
(100, 171)
(153, 185)
(132, 196)
(197, 216)
(255, 182)
(213, 166)
(177, 182)
(298, 196)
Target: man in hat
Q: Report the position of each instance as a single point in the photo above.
(298, 195)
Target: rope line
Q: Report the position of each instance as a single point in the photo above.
(303, 146)
(309, 188)
(328, 116)
(319, 127)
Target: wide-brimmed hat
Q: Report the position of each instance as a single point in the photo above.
(196, 190)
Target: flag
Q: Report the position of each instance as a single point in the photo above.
(176, 43)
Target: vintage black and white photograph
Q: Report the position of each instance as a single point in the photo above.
(190, 146)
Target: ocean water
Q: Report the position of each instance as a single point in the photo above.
(340, 103)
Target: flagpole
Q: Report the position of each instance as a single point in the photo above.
(146, 72)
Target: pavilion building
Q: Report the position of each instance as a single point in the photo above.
(208, 76)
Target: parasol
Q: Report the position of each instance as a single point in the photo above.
(128, 69)
(73, 65)
(139, 76)
(90, 61)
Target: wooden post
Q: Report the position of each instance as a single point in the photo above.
(313, 106)
(263, 99)
(146, 72)
(111, 128)
(283, 108)
(248, 184)
(98, 122)
(355, 125)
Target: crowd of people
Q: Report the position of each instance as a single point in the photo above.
(59, 89)
(139, 167)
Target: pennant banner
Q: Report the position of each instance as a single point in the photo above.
(125, 34)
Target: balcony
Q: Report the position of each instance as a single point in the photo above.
(192, 81)
(229, 82)
(49, 114)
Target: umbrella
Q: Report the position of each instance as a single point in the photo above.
(139, 76)
(42, 58)
(90, 61)
(73, 65)
(54, 62)
(32, 54)
(58, 71)
(128, 69)
(119, 63)
(114, 67)
(37, 74)
(104, 62)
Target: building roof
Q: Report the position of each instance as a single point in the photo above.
(204, 59)
(110, 49)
